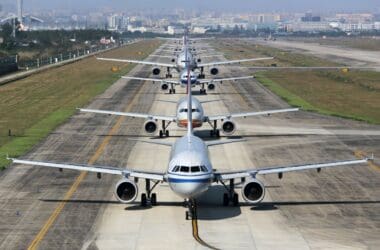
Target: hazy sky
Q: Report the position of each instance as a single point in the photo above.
(237, 5)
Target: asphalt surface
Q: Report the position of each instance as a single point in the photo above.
(335, 209)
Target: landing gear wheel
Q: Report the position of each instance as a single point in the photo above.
(153, 199)
(187, 215)
(161, 134)
(235, 200)
(143, 200)
(173, 91)
(226, 199)
(217, 133)
(211, 133)
(167, 133)
(170, 91)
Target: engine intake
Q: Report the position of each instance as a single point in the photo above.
(228, 127)
(126, 191)
(214, 71)
(211, 86)
(156, 71)
(253, 191)
(150, 126)
(164, 86)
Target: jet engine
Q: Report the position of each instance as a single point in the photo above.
(164, 86)
(228, 127)
(156, 71)
(211, 86)
(126, 191)
(253, 191)
(150, 126)
(214, 71)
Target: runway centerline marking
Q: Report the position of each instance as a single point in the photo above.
(41, 234)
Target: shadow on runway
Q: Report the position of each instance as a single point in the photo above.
(275, 204)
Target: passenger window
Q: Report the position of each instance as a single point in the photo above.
(185, 169)
(195, 169)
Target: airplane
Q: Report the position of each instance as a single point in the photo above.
(182, 81)
(183, 59)
(190, 172)
(228, 126)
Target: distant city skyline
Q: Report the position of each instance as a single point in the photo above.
(321, 6)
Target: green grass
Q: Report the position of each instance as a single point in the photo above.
(297, 101)
(35, 106)
(353, 95)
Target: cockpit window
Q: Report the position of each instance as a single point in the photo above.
(195, 169)
(185, 169)
(185, 110)
(176, 169)
(204, 169)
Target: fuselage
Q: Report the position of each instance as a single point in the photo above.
(197, 113)
(189, 171)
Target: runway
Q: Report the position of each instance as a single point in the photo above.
(337, 208)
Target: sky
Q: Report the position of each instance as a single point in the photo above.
(220, 5)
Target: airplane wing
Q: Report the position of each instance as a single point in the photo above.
(151, 79)
(221, 142)
(138, 62)
(283, 169)
(129, 114)
(245, 114)
(233, 61)
(225, 79)
(96, 169)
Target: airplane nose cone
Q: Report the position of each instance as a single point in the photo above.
(188, 189)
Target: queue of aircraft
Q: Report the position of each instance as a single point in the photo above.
(190, 172)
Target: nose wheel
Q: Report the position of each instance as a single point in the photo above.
(191, 213)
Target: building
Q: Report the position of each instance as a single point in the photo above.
(308, 27)
(173, 30)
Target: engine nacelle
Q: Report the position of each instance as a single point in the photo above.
(164, 86)
(211, 86)
(156, 71)
(214, 71)
(126, 191)
(253, 191)
(150, 126)
(228, 127)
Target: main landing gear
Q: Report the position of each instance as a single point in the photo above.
(201, 75)
(149, 196)
(214, 131)
(191, 213)
(172, 89)
(202, 90)
(230, 195)
(168, 74)
(164, 132)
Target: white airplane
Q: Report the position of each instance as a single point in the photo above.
(182, 81)
(228, 126)
(190, 172)
(184, 58)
